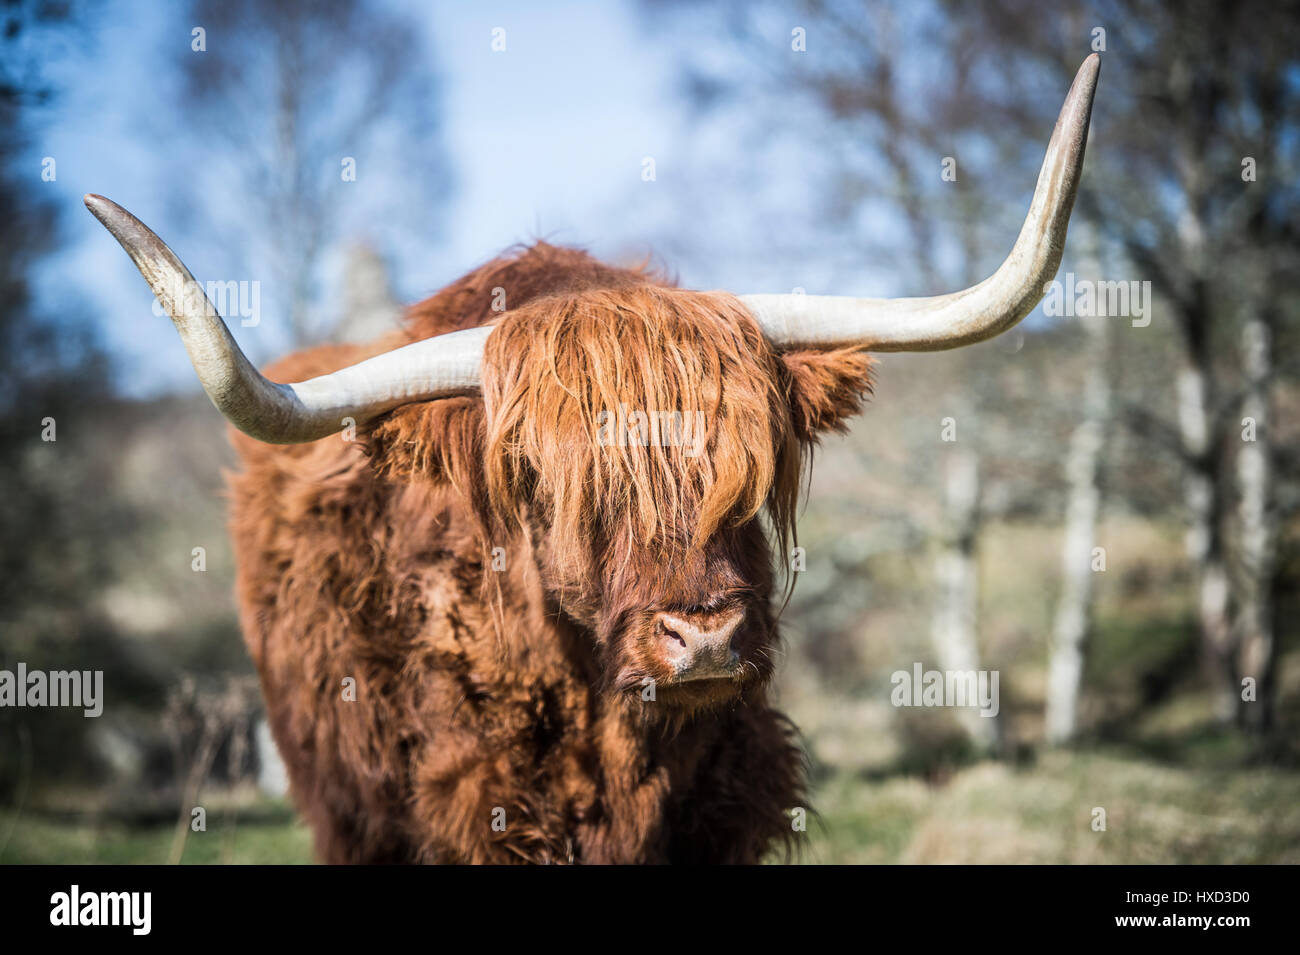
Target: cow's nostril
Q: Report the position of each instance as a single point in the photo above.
(673, 634)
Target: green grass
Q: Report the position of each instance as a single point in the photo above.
(268, 836)
(986, 812)
(994, 812)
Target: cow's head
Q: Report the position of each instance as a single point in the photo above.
(646, 443)
(654, 436)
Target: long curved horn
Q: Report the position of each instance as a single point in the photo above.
(973, 314)
(306, 410)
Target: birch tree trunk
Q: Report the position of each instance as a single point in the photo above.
(1204, 499)
(953, 629)
(1257, 544)
(1083, 470)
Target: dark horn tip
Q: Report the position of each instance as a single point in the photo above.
(98, 205)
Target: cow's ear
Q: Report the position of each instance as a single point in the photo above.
(826, 387)
(438, 441)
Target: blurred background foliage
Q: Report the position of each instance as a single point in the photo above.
(1120, 687)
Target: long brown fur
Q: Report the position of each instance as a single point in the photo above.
(452, 614)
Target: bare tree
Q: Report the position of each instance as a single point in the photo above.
(326, 115)
(1070, 630)
(1200, 108)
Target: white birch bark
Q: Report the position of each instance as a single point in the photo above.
(1257, 544)
(1204, 542)
(1074, 611)
(953, 628)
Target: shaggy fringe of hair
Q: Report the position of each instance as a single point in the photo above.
(553, 368)
(580, 338)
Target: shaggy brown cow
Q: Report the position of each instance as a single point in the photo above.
(495, 624)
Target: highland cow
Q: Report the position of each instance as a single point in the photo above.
(485, 631)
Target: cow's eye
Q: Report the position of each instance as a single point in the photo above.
(712, 605)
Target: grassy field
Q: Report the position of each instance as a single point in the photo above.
(1174, 786)
(987, 812)
(995, 813)
(265, 833)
